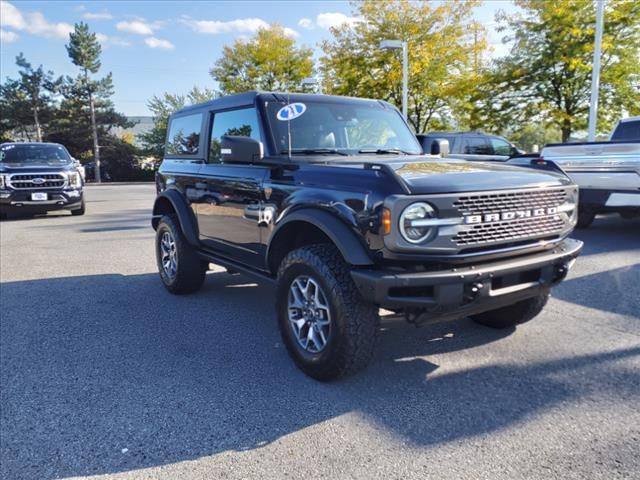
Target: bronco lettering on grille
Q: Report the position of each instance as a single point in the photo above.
(510, 215)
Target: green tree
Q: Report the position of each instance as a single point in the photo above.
(547, 74)
(84, 51)
(28, 104)
(269, 61)
(161, 107)
(445, 47)
(15, 115)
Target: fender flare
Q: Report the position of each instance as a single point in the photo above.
(185, 215)
(351, 249)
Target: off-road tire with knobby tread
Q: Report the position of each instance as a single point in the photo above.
(354, 328)
(513, 315)
(191, 268)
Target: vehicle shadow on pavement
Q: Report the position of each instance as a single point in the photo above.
(609, 233)
(613, 291)
(117, 375)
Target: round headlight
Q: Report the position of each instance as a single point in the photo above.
(410, 226)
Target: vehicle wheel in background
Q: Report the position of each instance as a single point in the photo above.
(513, 315)
(328, 329)
(181, 269)
(585, 218)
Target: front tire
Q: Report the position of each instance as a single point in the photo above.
(79, 211)
(512, 315)
(585, 218)
(181, 268)
(327, 327)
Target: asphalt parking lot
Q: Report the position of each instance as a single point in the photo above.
(104, 374)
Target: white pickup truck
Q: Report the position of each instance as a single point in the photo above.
(608, 173)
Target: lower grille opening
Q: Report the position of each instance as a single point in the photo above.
(422, 292)
(506, 281)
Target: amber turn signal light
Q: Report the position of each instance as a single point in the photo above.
(386, 221)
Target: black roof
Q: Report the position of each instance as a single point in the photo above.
(249, 98)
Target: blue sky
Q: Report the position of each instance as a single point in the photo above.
(157, 46)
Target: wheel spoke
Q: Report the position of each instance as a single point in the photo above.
(309, 314)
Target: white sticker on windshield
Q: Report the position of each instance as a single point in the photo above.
(291, 111)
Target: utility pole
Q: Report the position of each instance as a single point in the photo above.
(595, 72)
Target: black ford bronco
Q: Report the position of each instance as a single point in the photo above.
(37, 178)
(334, 201)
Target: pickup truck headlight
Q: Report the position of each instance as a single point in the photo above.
(74, 179)
(3, 182)
(414, 222)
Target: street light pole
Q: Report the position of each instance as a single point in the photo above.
(595, 73)
(405, 79)
(400, 45)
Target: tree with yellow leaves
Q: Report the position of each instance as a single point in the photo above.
(445, 47)
(547, 74)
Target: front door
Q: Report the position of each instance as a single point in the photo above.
(231, 194)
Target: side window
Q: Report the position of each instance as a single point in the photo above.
(184, 135)
(477, 146)
(627, 131)
(500, 147)
(243, 122)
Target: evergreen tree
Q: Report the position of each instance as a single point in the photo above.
(84, 51)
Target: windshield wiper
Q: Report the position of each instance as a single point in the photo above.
(383, 151)
(316, 151)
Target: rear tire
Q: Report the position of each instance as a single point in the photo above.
(317, 303)
(585, 218)
(513, 315)
(181, 269)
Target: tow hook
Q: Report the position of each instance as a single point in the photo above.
(472, 291)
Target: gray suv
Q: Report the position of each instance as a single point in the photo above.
(471, 146)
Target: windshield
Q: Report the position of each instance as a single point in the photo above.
(349, 128)
(29, 153)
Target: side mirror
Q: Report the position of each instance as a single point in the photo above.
(234, 148)
(440, 147)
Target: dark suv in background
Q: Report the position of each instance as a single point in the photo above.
(471, 146)
(39, 177)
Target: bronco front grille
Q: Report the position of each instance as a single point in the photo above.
(498, 202)
(512, 229)
(32, 181)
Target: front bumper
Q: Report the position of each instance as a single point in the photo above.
(458, 292)
(603, 200)
(58, 199)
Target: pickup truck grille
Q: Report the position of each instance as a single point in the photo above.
(33, 181)
(542, 224)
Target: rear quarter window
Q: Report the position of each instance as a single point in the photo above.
(627, 131)
(183, 137)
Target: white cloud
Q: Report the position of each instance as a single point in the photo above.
(215, 27)
(136, 26)
(7, 36)
(306, 23)
(291, 33)
(106, 40)
(153, 42)
(104, 15)
(335, 19)
(31, 22)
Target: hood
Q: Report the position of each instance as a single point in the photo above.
(35, 167)
(447, 176)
